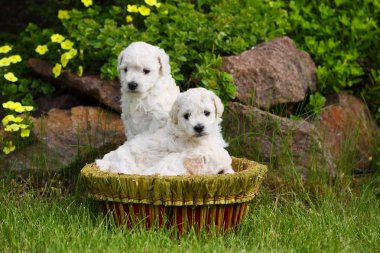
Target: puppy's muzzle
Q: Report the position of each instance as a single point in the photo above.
(199, 129)
(132, 86)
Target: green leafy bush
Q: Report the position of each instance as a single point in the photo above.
(316, 103)
(371, 93)
(194, 35)
(341, 36)
(14, 81)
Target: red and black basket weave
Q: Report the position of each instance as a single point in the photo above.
(218, 202)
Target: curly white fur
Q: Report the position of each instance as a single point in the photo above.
(205, 159)
(190, 142)
(148, 90)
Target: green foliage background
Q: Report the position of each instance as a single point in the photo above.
(341, 36)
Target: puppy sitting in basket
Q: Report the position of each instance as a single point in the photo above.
(190, 142)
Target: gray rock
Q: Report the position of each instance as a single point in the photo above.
(272, 73)
(62, 136)
(105, 91)
(63, 101)
(283, 142)
(348, 131)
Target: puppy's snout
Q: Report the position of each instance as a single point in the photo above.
(132, 85)
(199, 128)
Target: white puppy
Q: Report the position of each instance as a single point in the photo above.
(148, 90)
(193, 128)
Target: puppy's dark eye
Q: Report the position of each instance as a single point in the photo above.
(186, 116)
(207, 113)
(126, 70)
(146, 71)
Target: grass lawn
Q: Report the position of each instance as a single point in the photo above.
(49, 212)
(53, 215)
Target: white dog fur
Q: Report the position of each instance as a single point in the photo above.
(191, 135)
(148, 90)
(206, 159)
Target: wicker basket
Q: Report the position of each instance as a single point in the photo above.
(180, 202)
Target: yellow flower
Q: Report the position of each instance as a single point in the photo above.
(64, 60)
(80, 71)
(66, 57)
(132, 8)
(17, 107)
(15, 58)
(28, 108)
(63, 14)
(72, 53)
(145, 11)
(9, 148)
(11, 118)
(25, 133)
(10, 77)
(42, 49)
(7, 119)
(12, 128)
(57, 70)
(67, 44)
(9, 105)
(151, 2)
(5, 49)
(18, 119)
(129, 18)
(58, 38)
(4, 62)
(20, 109)
(87, 3)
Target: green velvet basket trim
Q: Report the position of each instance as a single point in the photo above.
(176, 190)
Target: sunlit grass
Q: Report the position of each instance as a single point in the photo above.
(49, 212)
(59, 221)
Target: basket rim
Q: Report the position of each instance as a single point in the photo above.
(181, 190)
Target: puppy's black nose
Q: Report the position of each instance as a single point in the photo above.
(199, 128)
(132, 85)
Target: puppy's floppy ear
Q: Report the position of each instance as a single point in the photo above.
(163, 59)
(219, 108)
(175, 110)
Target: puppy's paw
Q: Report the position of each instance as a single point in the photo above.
(103, 165)
(194, 165)
(106, 165)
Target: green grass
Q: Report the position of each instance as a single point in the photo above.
(51, 216)
(49, 212)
